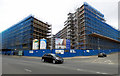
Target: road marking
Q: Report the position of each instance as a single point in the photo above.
(110, 63)
(76, 57)
(102, 61)
(58, 66)
(105, 61)
(90, 71)
(27, 70)
(104, 73)
(109, 60)
(98, 72)
(71, 68)
(101, 73)
(80, 70)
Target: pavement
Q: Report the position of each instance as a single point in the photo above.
(72, 65)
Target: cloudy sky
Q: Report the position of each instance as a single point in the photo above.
(52, 11)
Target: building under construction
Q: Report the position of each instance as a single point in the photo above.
(21, 35)
(87, 29)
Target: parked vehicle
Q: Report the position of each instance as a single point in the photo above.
(52, 58)
(102, 55)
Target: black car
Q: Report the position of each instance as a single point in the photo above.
(102, 55)
(52, 58)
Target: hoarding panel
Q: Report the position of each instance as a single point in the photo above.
(35, 44)
(62, 43)
(67, 44)
(43, 44)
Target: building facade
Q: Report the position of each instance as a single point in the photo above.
(87, 29)
(21, 35)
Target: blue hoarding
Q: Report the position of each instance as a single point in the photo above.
(67, 44)
(43, 43)
(62, 43)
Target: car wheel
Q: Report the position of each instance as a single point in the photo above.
(54, 61)
(43, 60)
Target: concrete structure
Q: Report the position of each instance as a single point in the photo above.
(21, 35)
(87, 29)
(53, 42)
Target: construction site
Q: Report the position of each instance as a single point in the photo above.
(87, 29)
(21, 35)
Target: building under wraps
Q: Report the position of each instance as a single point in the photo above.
(87, 29)
(21, 35)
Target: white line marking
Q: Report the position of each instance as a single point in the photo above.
(104, 73)
(109, 60)
(105, 61)
(98, 72)
(27, 70)
(80, 70)
(90, 71)
(110, 63)
(84, 70)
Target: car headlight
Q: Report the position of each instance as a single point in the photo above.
(57, 58)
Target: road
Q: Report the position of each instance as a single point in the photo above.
(80, 65)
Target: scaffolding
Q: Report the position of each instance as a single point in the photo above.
(89, 30)
(21, 35)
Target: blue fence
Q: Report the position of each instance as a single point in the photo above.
(62, 52)
(69, 53)
(38, 53)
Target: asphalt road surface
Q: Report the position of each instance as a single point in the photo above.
(80, 65)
